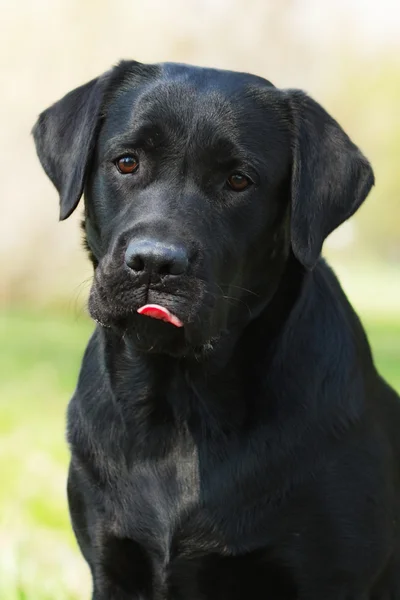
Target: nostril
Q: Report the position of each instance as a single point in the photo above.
(136, 263)
(164, 269)
(134, 258)
(178, 263)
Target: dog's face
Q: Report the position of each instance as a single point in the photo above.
(198, 185)
(187, 192)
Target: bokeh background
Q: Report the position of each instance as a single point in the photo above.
(346, 53)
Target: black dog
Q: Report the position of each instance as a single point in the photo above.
(231, 438)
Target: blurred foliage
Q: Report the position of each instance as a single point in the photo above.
(366, 101)
(39, 362)
(345, 53)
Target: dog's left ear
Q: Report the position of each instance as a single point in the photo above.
(330, 177)
(65, 135)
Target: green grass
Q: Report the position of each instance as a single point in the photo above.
(39, 362)
(40, 356)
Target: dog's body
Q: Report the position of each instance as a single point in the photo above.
(251, 451)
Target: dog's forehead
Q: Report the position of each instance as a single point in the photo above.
(188, 95)
(205, 77)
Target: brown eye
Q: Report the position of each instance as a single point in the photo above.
(238, 182)
(127, 164)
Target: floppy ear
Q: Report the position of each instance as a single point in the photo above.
(330, 177)
(64, 135)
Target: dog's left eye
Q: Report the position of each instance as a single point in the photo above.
(238, 182)
(127, 164)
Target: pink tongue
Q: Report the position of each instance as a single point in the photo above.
(159, 312)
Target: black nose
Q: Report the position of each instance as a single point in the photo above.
(156, 257)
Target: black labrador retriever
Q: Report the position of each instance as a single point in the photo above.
(230, 435)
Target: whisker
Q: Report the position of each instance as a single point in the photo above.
(232, 298)
(238, 300)
(77, 292)
(238, 287)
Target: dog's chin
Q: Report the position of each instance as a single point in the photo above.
(153, 336)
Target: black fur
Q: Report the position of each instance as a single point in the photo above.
(253, 453)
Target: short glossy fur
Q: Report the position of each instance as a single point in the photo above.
(255, 452)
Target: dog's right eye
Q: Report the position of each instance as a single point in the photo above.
(238, 182)
(127, 164)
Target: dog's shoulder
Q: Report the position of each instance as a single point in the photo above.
(322, 354)
(345, 329)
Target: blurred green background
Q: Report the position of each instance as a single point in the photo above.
(345, 53)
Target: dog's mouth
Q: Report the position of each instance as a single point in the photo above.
(158, 318)
(156, 311)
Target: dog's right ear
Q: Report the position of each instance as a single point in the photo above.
(65, 136)
(331, 178)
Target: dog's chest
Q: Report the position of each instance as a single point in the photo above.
(162, 518)
(166, 538)
(150, 515)
(161, 493)
(149, 484)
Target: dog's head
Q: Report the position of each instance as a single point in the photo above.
(198, 186)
